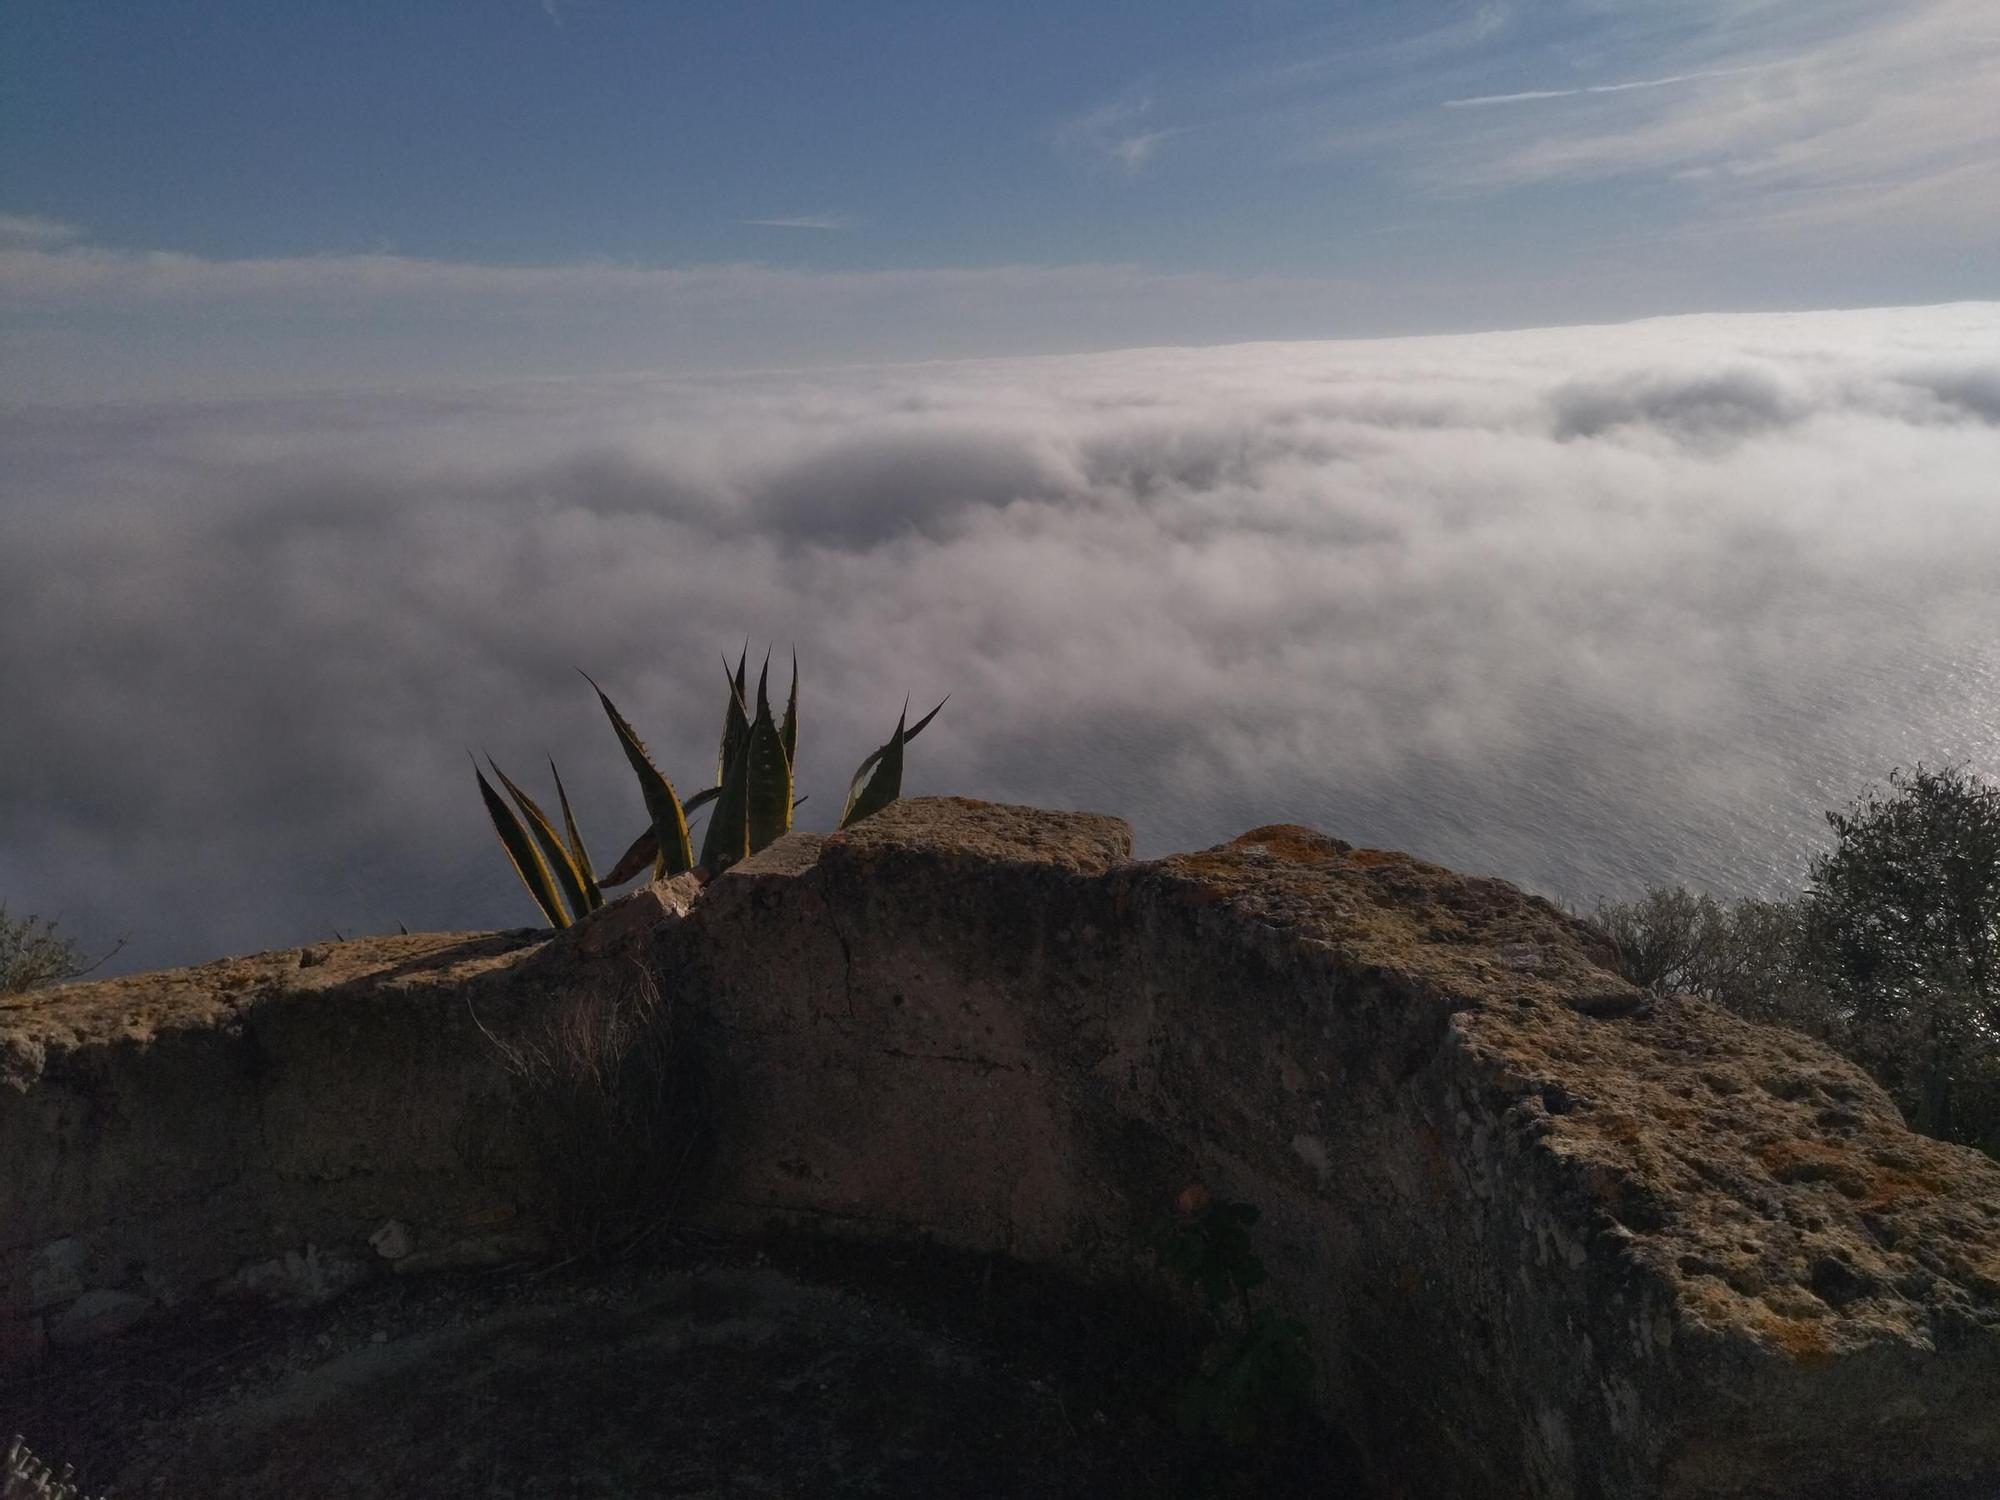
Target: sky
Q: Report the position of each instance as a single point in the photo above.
(229, 196)
(1553, 438)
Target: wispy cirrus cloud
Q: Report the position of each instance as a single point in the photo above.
(806, 221)
(77, 318)
(1754, 115)
(1773, 118)
(1333, 52)
(36, 230)
(1133, 151)
(1118, 133)
(1535, 96)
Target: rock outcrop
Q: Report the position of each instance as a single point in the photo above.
(1551, 1237)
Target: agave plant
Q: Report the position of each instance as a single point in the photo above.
(751, 803)
(556, 873)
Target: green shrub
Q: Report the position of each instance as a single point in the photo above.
(32, 955)
(1256, 1374)
(1891, 955)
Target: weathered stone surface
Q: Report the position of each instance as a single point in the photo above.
(625, 926)
(23, 1342)
(99, 1315)
(161, 1133)
(1551, 1238)
(55, 1275)
(300, 1278)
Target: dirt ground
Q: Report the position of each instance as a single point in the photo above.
(705, 1370)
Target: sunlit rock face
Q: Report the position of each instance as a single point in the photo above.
(1551, 1237)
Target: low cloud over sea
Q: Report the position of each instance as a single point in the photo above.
(1586, 608)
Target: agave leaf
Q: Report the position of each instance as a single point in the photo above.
(873, 790)
(768, 773)
(727, 838)
(568, 879)
(918, 727)
(526, 859)
(736, 718)
(643, 853)
(670, 828)
(579, 855)
(874, 757)
(646, 847)
(788, 731)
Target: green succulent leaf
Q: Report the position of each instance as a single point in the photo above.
(673, 853)
(568, 878)
(640, 855)
(728, 837)
(735, 719)
(879, 781)
(646, 847)
(521, 852)
(788, 731)
(768, 773)
(579, 855)
(874, 758)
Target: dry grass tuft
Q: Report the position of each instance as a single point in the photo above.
(611, 1098)
(26, 1477)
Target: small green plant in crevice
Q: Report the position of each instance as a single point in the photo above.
(1255, 1376)
(750, 805)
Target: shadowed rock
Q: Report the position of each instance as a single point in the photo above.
(1551, 1237)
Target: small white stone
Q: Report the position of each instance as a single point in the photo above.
(392, 1240)
(1312, 1151)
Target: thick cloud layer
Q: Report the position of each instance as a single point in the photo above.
(1586, 608)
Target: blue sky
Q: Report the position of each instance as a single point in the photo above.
(233, 193)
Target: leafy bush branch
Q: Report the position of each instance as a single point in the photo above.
(32, 954)
(1256, 1374)
(1891, 954)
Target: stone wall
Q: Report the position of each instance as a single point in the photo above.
(271, 1126)
(1551, 1238)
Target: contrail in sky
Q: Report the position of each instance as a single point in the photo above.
(1596, 88)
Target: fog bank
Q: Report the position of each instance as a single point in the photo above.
(1586, 608)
